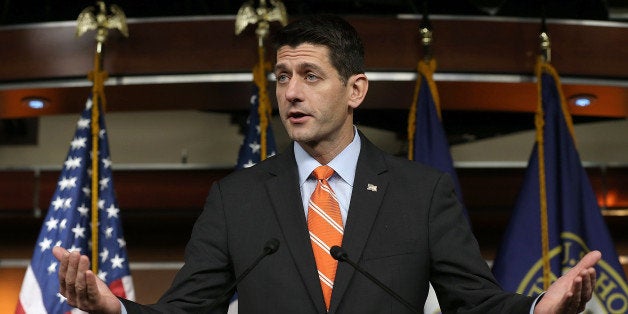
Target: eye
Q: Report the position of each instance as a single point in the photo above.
(281, 78)
(311, 77)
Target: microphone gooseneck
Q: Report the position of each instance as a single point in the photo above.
(270, 247)
(340, 255)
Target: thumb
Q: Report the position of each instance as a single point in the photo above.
(588, 261)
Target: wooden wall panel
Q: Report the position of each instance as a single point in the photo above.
(615, 183)
(154, 190)
(16, 190)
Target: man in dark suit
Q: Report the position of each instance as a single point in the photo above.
(398, 219)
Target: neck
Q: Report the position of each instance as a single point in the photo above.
(324, 152)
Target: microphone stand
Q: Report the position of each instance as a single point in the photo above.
(270, 247)
(339, 254)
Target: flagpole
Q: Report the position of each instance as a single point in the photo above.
(101, 22)
(425, 69)
(262, 16)
(539, 122)
(264, 109)
(97, 76)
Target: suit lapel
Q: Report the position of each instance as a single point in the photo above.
(283, 190)
(369, 188)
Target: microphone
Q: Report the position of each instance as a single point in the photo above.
(339, 254)
(271, 246)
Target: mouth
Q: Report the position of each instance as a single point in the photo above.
(297, 116)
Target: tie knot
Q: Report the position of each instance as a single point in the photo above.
(323, 172)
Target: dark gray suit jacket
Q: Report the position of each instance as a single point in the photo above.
(410, 231)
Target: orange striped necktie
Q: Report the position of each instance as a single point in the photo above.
(325, 225)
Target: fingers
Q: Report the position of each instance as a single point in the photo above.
(92, 283)
(72, 277)
(86, 288)
(588, 285)
(592, 278)
(581, 291)
(63, 256)
(80, 283)
(575, 301)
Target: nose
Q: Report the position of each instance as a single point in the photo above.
(293, 91)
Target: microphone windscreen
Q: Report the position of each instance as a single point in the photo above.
(271, 246)
(337, 253)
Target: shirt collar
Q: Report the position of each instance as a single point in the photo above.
(344, 164)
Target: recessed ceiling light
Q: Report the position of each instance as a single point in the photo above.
(582, 100)
(35, 102)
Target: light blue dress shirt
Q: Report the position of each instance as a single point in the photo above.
(341, 181)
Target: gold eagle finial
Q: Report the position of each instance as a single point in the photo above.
(248, 14)
(89, 19)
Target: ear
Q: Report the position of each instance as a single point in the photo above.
(358, 85)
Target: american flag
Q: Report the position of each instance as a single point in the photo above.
(68, 224)
(250, 154)
(250, 151)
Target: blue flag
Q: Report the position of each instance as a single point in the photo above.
(557, 194)
(428, 140)
(68, 224)
(250, 151)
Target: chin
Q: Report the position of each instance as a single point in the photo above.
(298, 134)
(303, 139)
(298, 138)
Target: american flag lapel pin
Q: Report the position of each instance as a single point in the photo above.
(371, 187)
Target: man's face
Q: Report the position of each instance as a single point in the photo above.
(313, 101)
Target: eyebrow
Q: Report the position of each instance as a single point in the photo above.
(279, 67)
(300, 66)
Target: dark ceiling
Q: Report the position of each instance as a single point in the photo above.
(31, 11)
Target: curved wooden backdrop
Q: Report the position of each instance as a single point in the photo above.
(170, 59)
